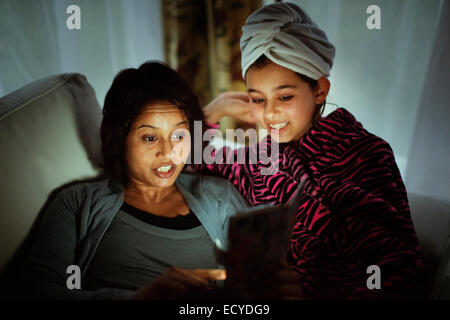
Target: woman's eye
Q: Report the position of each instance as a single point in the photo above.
(149, 138)
(285, 98)
(258, 100)
(178, 137)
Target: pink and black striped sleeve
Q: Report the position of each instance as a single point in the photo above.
(378, 222)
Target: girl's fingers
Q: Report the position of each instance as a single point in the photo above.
(293, 291)
(237, 95)
(268, 270)
(277, 281)
(277, 292)
(244, 106)
(246, 117)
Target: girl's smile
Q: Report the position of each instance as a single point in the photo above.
(282, 102)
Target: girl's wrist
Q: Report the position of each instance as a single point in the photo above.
(213, 119)
(214, 116)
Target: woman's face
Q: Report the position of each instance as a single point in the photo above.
(281, 101)
(158, 145)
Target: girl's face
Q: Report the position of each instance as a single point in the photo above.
(281, 101)
(157, 146)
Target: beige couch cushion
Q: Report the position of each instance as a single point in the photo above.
(48, 137)
(431, 219)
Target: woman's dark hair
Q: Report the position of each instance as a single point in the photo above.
(131, 90)
(262, 61)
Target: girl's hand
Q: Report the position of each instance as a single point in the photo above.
(276, 281)
(230, 104)
(176, 283)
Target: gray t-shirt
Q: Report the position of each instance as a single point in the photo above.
(138, 247)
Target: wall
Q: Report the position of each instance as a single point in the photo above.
(393, 80)
(428, 170)
(35, 42)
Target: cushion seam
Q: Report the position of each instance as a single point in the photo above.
(37, 97)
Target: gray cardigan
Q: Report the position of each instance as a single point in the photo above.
(76, 220)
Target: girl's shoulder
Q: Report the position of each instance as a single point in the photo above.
(340, 132)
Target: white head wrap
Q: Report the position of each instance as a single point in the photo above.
(286, 35)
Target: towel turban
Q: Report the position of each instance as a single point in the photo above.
(286, 35)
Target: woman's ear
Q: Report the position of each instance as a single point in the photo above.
(322, 89)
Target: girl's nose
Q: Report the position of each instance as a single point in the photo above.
(270, 111)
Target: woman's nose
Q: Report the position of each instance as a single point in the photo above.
(166, 150)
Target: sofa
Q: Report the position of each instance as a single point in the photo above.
(49, 137)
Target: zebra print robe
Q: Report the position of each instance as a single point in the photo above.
(354, 212)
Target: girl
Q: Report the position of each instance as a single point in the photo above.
(353, 236)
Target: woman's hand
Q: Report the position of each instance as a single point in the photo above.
(230, 104)
(176, 283)
(276, 281)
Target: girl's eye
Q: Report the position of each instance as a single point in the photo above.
(258, 100)
(285, 98)
(149, 138)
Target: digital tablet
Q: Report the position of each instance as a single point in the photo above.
(258, 237)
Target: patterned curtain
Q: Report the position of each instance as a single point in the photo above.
(201, 39)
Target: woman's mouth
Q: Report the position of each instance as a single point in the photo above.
(165, 171)
(279, 127)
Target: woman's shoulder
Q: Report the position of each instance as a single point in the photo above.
(94, 187)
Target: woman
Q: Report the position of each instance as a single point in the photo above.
(355, 212)
(147, 230)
